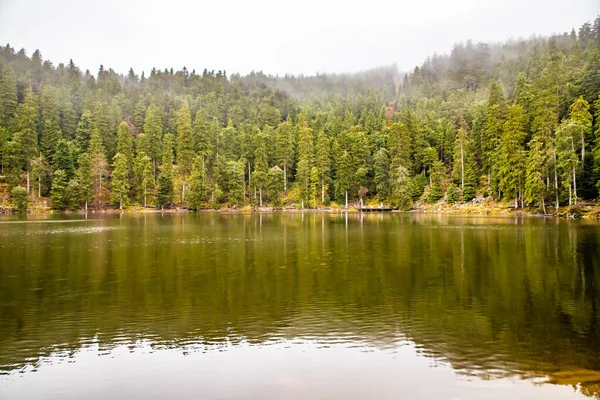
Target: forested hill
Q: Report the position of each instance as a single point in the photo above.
(517, 121)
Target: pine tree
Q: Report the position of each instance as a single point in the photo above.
(512, 154)
(535, 187)
(235, 183)
(315, 180)
(323, 162)
(49, 139)
(8, 96)
(84, 130)
(344, 173)
(260, 164)
(401, 188)
(119, 184)
(202, 131)
(460, 156)
(164, 194)
(20, 199)
(284, 148)
(185, 146)
(64, 158)
(382, 178)
(125, 143)
(68, 120)
(492, 132)
(99, 163)
(438, 177)
(39, 171)
(85, 177)
(305, 160)
(581, 117)
(103, 122)
(143, 175)
(58, 194)
(153, 129)
(24, 126)
(400, 164)
(12, 162)
(566, 137)
(275, 185)
(198, 183)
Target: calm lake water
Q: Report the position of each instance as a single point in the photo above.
(299, 306)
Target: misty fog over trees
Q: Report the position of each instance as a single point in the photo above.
(516, 122)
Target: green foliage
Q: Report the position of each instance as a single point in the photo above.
(64, 158)
(438, 176)
(305, 160)
(198, 183)
(185, 144)
(314, 185)
(275, 185)
(401, 189)
(381, 166)
(164, 194)
(236, 183)
(83, 133)
(20, 198)
(452, 194)
(119, 184)
(8, 95)
(512, 154)
(58, 194)
(85, 177)
(491, 110)
(144, 177)
(24, 126)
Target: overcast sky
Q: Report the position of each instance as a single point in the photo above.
(274, 36)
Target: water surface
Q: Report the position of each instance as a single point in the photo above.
(290, 305)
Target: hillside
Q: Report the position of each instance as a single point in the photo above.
(517, 121)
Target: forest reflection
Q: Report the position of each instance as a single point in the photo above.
(492, 297)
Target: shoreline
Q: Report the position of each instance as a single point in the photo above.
(580, 211)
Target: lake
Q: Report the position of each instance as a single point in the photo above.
(299, 306)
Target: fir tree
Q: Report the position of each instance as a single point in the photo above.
(198, 183)
(58, 194)
(119, 184)
(85, 177)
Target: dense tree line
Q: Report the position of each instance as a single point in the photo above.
(518, 121)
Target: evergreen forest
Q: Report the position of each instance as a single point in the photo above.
(515, 122)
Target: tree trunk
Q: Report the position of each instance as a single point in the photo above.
(582, 146)
(27, 182)
(86, 206)
(144, 196)
(462, 167)
(260, 196)
(182, 192)
(154, 170)
(285, 178)
(570, 194)
(346, 199)
(39, 186)
(543, 205)
(322, 192)
(556, 180)
(574, 185)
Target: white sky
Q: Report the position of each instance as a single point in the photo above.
(274, 36)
